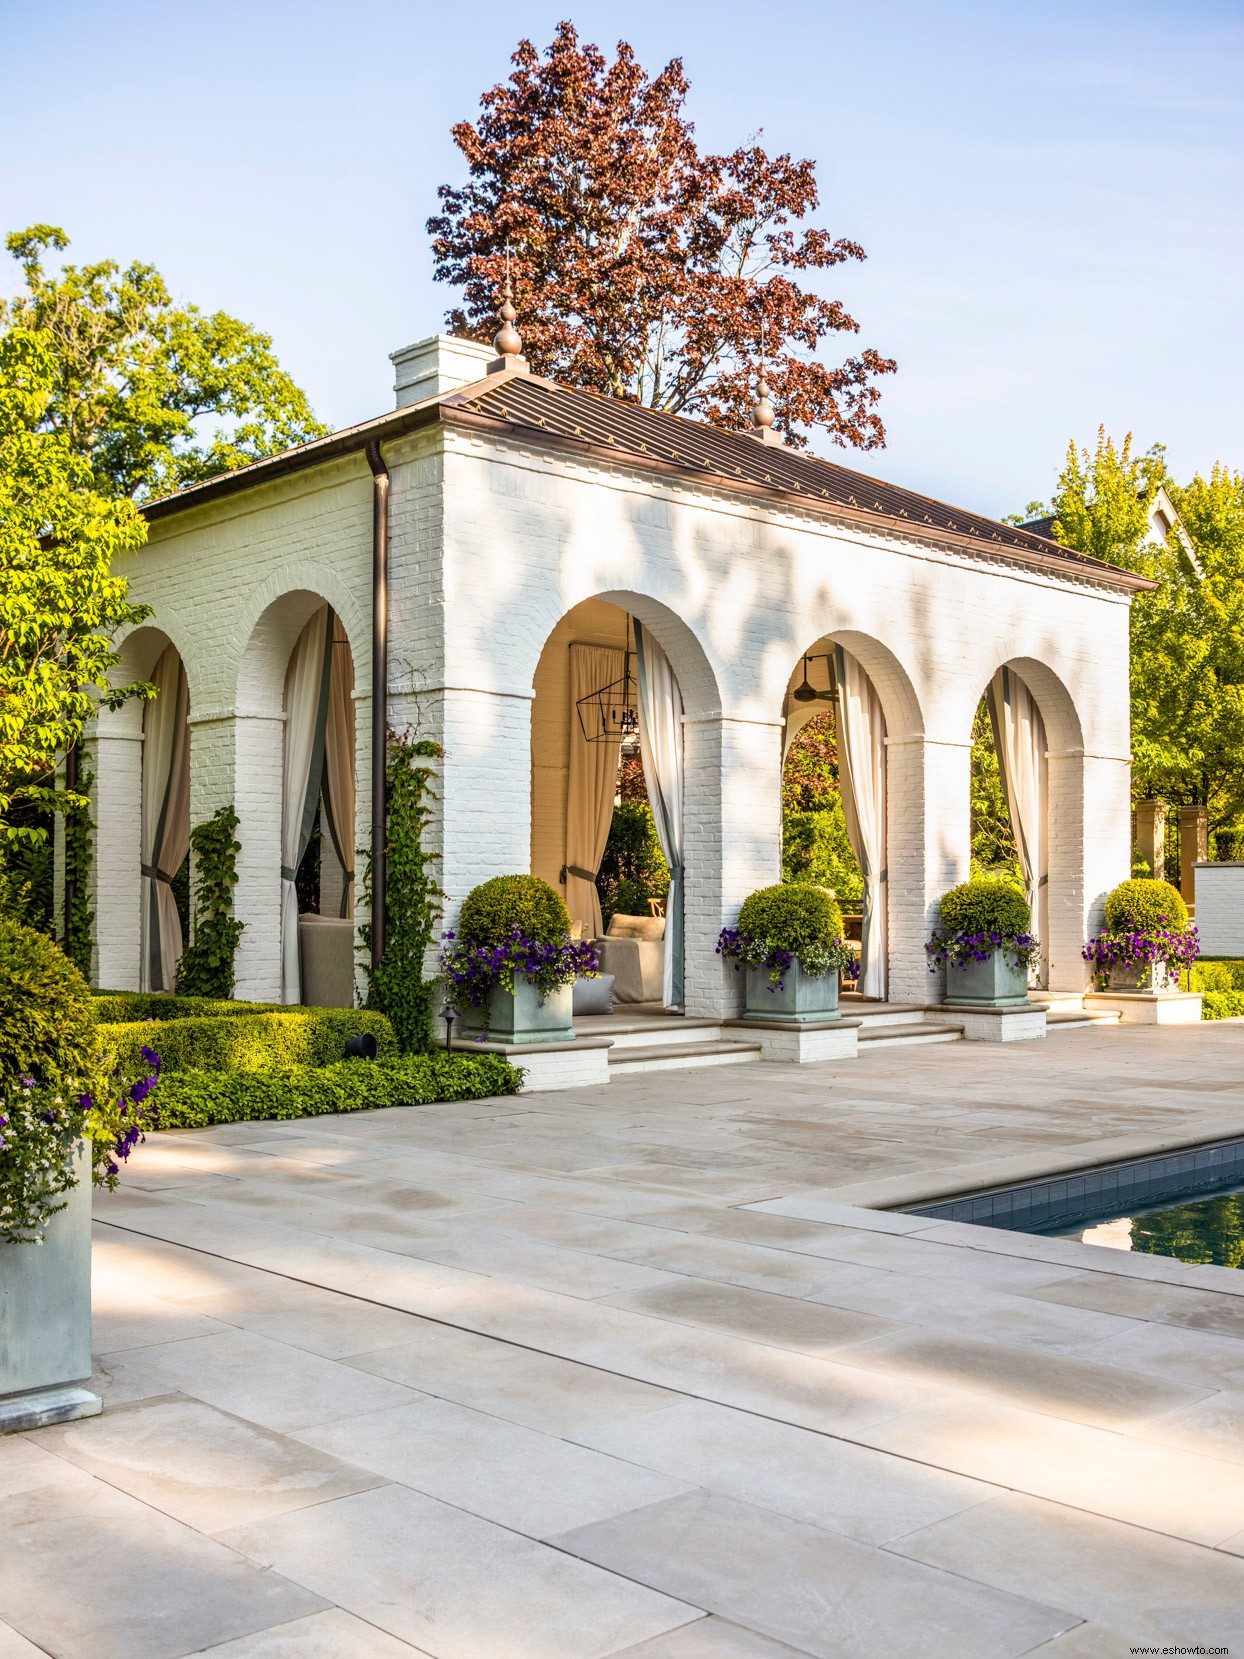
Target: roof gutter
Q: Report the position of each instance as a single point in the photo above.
(379, 694)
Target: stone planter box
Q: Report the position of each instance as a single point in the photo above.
(802, 999)
(1143, 976)
(523, 1018)
(45, 1318)
(993, 983)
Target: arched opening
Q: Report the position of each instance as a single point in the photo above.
(835, 814)
(317, 817)
(165, 823)
(613, 789)
(1027, 806)
(295, 722)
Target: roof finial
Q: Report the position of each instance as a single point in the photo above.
(762, 410)
(508, 343)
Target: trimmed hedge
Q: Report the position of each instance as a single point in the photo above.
(46, 1029)
(986, 904)
(118, 1007)
(1223, 974)
(197, 1099)
(793, 915)
(1146, 907)
(492, 911)
(1222, 1005)
(250, 1042)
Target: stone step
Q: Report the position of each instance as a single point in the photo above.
(650, 1033)
(1080, 1019)
(874, 1014)
(668, 1056)
(908, 1034)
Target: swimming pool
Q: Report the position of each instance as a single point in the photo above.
(1188, 1205)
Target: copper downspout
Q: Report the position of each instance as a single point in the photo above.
(379, 692)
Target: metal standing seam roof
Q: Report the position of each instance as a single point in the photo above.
(640, 435)
(644, 434)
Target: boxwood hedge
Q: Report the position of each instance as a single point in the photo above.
(249, 1042)
(197, 1099)
(116, 1007)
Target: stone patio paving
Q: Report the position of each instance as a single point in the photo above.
(629, 1372)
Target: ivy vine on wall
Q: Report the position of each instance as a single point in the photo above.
(396, 986)
(206, 966)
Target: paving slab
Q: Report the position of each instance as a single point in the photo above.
(822, 1593)
(456, 1586)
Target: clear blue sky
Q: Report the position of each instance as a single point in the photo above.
(1050, 194)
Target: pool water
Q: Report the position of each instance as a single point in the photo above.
(1206, 1229)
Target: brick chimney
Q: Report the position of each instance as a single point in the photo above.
(433, 367)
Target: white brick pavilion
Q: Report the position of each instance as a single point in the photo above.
(521, 518)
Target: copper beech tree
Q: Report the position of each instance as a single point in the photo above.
(642, 268)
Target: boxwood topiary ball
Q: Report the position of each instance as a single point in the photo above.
(794, 916)
(47, 1021)
(1146, 907)
(986, 904)
(495, 908)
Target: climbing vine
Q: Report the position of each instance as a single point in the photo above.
(206, 966)
(79, 921)
(396, 986)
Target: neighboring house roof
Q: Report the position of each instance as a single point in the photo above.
(529, 406)
(1163, 518)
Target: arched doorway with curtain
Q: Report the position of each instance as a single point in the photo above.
(164, 823)
(617, 791)
(318, 816)
(851, 748)
(1027, 807)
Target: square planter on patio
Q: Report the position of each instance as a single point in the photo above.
(1143, 976)
(523, 1017)
(45, 1318)
(800, 1000)
(994, 983)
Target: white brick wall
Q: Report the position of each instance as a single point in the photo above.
(1220, 908)
(492, 542)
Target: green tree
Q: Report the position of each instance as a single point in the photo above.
(138, 378)
(1187, 637)
(60, 604)
(815, 844)
(993, 840)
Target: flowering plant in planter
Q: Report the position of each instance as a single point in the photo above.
(56, 1088)
(1146, 927)
(477, 970)
(793, 922)
(513, 925)
(980, 918)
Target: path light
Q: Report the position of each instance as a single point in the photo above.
(364, 1047)
(448, 1014)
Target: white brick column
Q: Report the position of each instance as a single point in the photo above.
(928, 839)
(481, 826)
(1090, 852)
(732, 832)
(254, 743)
(116, 758)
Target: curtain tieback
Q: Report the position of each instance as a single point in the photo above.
(1044, 881)
(288, 873)
(578, 870)
(154, 874)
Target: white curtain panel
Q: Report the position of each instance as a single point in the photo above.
(591, 787)
(661, 747)
(306, 719)
(165, 816)
(339, 762)
(1019, 735)
(861, 772)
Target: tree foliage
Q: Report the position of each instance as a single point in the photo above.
(138, 377)
(60, 603)
(1187, 637)
(642, 267)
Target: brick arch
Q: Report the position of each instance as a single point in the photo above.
(269, 628)
(138, 652)
(1067, 902)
